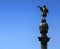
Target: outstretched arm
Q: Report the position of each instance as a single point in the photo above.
(40, 8)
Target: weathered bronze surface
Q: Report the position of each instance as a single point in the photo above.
(44, 10)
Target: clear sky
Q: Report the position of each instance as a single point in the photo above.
(19, 24)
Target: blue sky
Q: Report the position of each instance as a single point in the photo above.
(19, 24)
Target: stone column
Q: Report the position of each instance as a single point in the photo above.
(43, 28)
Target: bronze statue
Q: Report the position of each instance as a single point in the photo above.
(44, 10)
